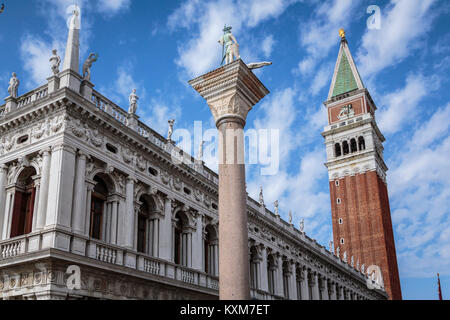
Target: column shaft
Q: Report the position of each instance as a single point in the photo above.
(234, 265)
(43, 193)
(129, 225)
(79, 204)
(3, 215)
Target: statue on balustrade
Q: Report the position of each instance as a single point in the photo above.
(276, 204)
(88, 64)
(170, 133)
(55, 61)
(133, 102)
(13, 88)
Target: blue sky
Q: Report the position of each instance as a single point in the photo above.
(157, 46)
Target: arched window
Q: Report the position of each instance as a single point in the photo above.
(211, 247)
(345, 148)
(98, 200)
(271, 273)
(254, 268)
(181, 239)
(286, 278)
(24, 197)
(143, 239)
(353, 146)
(361, 143)
(337, 150)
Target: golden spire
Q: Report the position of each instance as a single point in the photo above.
(342, 33)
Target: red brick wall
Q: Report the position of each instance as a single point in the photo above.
(367, 226)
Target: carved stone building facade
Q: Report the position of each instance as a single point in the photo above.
(83, 183)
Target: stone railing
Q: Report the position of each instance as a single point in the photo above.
(262, 295)
(119, 256)
(32, 96)
(12, 248)
(109, 107)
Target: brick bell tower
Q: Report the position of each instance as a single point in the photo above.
(361, 216)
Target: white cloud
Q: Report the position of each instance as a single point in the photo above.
(402, 104)
(157, 115)
(403, 23)
(205, 21)
(112, 7)
(36, 53)
(320, 33)
(419, 189)
(267, 46)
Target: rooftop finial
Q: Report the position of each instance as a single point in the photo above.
(342, 34)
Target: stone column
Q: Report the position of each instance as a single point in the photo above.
(3, 172)
(231, 91)
(197, 245)
(333, 291)
(166, 232)
(79, 204)
(325, 289)
(189, 249)
(129, 215)
(216, 259)
(263, 264)
(342, 292)
(293, 283)
(315, 288)
(154, 240)
(89, 189)
(114, 221)
(43, 194)
(280, 281)
(305, 285)
(61, 184)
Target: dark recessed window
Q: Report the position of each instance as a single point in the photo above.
(256, 229)
(336, 183)
(152, 171)
(341, 221)
(22, 139)
(111, 148)
(214, 206)
(187, 191)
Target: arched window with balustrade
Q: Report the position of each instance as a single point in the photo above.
(254, 268)
(211, 247)
(271, 273)
(98, 199)
(181, 243)
(24, 199)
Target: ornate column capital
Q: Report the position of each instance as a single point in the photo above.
(45, 152)
(230, 91)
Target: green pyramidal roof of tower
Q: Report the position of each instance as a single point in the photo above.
(345, 81)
